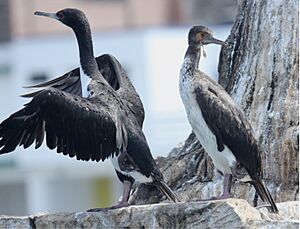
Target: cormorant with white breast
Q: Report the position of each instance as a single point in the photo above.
(95, 116)
(219, 124)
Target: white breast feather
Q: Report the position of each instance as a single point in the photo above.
(222, 160)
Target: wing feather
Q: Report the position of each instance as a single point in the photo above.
(114, 74)
(40, 134)
(69, 82)
(117, 77)
(75, 126)
(229, 124)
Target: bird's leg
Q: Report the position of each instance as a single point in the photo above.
(124, 201)
(226, 189)
(126, 194)
(227, 183)
(226, 186)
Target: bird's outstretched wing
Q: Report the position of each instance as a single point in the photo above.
(117, 77)
(228, 123)
(114, 74)
(69, 82)
(75, 126)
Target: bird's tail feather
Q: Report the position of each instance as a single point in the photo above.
(264, 194)
(165, 189)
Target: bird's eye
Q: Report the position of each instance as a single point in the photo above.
(60, 15)
(199, 37)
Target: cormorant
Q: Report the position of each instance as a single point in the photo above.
(219, 124)
(95, 116)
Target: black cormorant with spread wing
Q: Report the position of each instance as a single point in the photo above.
(219, 124)
(91, 113)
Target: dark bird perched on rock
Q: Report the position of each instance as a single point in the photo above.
(93, 113)
(219, 124)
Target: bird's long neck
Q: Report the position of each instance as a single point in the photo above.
(192, 57)
(86, 53)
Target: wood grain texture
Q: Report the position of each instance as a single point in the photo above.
(260, 71)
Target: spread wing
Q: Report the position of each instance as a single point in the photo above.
(69, 82)
(114, 74)
(228, 123)
(75, 126)
(117, 77)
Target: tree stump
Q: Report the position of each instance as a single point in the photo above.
(259, 69)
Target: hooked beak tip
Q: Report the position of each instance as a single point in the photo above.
(38, 13)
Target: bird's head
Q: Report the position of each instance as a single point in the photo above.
(200, 35)
(73, 18)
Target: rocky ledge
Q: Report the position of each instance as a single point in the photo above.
(231, 213)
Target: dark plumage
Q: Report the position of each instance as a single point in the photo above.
(219, 124)
(105, 121)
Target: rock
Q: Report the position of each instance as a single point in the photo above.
(231, 213)
(15, 222)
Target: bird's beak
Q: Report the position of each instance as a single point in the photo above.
(212, 40)
(51, 15)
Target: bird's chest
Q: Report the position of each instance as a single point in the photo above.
(186, 88)
(192, 108)
(223, 160)
(195, 117)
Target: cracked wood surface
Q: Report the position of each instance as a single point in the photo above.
(260, 71)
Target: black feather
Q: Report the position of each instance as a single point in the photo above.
(264, 194)
(40, 134)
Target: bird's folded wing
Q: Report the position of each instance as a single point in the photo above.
(228, 123)
(73, 125)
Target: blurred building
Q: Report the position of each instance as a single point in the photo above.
(149, 39)
(17, 18)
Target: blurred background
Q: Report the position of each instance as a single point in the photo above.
(149, 38)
